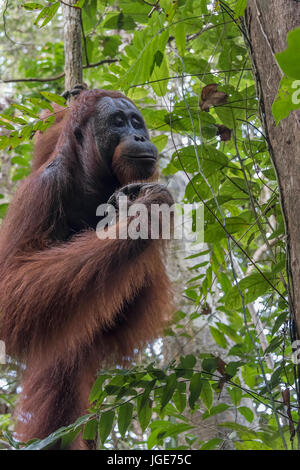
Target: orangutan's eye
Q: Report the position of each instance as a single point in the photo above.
(136, 123)
(119, 120)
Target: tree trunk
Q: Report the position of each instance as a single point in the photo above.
(72, 41)
(267, 23)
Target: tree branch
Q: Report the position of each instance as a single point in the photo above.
(57, 77)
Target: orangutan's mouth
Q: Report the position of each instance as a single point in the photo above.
(142, 158)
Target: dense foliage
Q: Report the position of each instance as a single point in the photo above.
(165, 54)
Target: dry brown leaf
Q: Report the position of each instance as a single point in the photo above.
(223, 132)
(286, 400)
(210, 96)
(221, 366)
(206, 309)
(221, 369)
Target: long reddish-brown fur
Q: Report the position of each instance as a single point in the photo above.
(71, 303)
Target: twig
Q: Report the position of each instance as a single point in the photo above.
(5, 30)
(155, 7)
(84, 40)
(188, 75)
(52, 79)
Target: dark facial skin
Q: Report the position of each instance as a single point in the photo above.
(121, 134)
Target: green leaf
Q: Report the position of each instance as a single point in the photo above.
(251, 445)
(105, 425)
(144, 412)
(280, 320)
(6, 125)
(157, 60)
(3, 209)
(252, 287)
(195, 389)
(188, 361)
(179, 400)
(140, 69)
(14, 119)
(161, 76)
(135, 8)
(26, 110)
(211, 159)
(274, 344)
(40, 103)
(238, 427)
(19, 161)
(207, 394)
(79, 4)
(97, 387)
(289, 60)
(212, 444)
(215, 410)
(240, 8)
(53, 97)
(55, 436)
(111, 45)
(247, 413)
(163, 429)
(227, 330)
(47, 14)
(160, 141)
(148, 389)
(210, 364)
(124, 417)
(232, 367)
(90, 429)
(287, 99)
(169, 389)
(68, 438)
(32, 6)
(180, 38)
(218, 337)
(235, 395)
(119, 21)
(170, 9)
